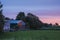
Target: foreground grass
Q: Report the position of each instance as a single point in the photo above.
(32, 35)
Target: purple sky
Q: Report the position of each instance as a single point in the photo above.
(38, 7)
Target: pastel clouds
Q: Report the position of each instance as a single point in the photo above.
(50, 19)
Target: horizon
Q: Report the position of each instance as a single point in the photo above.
(46, 10)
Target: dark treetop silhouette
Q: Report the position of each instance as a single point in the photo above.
(1, 18)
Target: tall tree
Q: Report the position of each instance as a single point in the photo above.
(1, 18)
(20, 16)
(33, 21)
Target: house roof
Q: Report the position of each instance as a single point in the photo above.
(15, 21)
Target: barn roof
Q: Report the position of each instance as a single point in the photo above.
(15, 21)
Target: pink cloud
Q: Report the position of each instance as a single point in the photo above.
(50, 19)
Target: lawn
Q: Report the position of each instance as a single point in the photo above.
(32, 35)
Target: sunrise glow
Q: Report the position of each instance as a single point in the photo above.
(50, 19)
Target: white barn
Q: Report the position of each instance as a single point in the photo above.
(8, 23)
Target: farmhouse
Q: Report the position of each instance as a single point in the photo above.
(14, 25)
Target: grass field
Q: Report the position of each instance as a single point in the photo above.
(32, 35)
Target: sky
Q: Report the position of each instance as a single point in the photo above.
(41, 8)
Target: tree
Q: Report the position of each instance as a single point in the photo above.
(0, 5)
(33, 21)
(1, 18)
(56, 24)
(6, 18)
(20, 16)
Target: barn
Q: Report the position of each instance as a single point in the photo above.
(14, 25)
